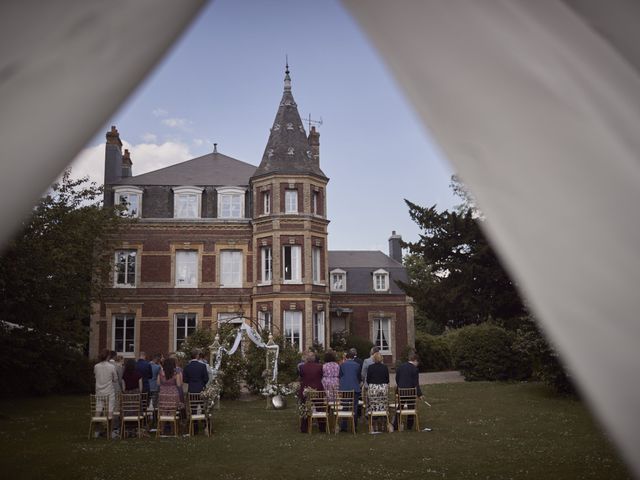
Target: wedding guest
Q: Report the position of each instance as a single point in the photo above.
(195, 373)
(378, 387)
(144, 369)
(350, 379)
(131, 378)
(154, 386)
(310, 376)
(106, 376)
(170, 381)
(408, 376)
(366, 363)
(356, 358)
(113, 360)
(330, 375)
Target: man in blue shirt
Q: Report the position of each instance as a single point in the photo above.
(350, 379)
(144, 369)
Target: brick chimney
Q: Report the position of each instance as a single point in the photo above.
(113, 157)
(395, 250)
(314, 143)
(126, 164)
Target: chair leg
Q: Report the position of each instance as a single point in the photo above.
(417, 424)
(90, 429)
(309, 425)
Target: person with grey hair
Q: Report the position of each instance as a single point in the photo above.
(356, 358)
(367, 362)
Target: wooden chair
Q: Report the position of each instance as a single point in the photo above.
(196, 413)
(381, 403)
(407, 401)
(147, 413)
(167, 414)
(319, 409)
(100, 414)
(130, 413)
(344, 409)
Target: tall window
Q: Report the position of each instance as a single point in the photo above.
(130, 198)
(124, 333)
(338, 280)
(266, 262)
(266, 202)
(291, 201)
(185, 326)
(125, 275)
(315, 202)
(380, 280)
(265, 320)
(318, 328)
(382, 334)
(186, 268)
(291, 263)
(187, 202)
(231, 268)
(230, 202)
(316, 264)
(292, 326)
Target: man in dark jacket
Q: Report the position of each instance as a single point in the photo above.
(195, 374)
(407, 376)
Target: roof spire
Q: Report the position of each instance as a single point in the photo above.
(287, 78)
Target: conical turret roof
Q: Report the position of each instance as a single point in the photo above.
(288, 149)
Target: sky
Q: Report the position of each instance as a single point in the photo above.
(223, 80)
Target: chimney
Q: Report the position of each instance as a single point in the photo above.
(314, 143)
(126, 164)
(113, 157)
(395, 250)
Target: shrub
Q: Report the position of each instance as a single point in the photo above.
(362, 345)
(256, 364)
(434, 353)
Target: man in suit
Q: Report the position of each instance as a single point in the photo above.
(195, 374)
(407, 376)
(356, 358)
(144, 369)
(350, 379)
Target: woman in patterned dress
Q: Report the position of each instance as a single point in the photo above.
(378, 388)
(330, 375)
(170, 384)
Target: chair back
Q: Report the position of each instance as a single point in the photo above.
(99, 407)
(407, 398)
(130, 404)
(196, 404)
(318, 402)
(345, 402)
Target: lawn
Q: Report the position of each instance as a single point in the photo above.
(480, 430)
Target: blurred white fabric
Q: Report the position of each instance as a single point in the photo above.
(537, 106)
(65, 67)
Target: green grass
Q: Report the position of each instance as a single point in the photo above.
(480, 430)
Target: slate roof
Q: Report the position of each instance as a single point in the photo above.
(360, 265)
(288, 149)
(211, 169)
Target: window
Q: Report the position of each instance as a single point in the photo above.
(338, 280)
(124, 333)
(291, 264)
(315, 202)
(265, 320)
(131, 198)
(380, 280)
(266, 203)
(382, 334)
(231, 268)
(231, 202)
(185, 326)
(318, 328)
(316, 267)
(266, 262)
(186, 268)
(232, 318)
(187, 202)
(292, 326)
(125, 275)
(291, 201)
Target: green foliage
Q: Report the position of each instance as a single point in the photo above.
(232, 366)
(289, 357)
(201, 339)
(434, 353)
(361, 344)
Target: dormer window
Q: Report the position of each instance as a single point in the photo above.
(130, 198)
(187, 202)
(380, 280)
(338, 280)
(231, 202)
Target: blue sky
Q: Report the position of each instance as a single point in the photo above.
(222, 81)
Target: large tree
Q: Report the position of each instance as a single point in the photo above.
(59, 262)
(456, 278)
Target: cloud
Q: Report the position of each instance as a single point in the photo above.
(145, 157)
(180, 123)
(198, 142)
(160, 112)
(150, 137)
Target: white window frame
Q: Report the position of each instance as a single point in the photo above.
(315, 198)
(266, 265)
(296, 264)
(126, 284)
(291, 201)
(176, 328)
(126, 340)
(230, 318)
(343, 274)
(265, 320)
(384, 276)
(292, 320)
(121, 194)
(227, 268)
(382, 324)
(319, 328)
(266, 202)
(181, 193)
(231, 194)
(316, 264)
(184, 258)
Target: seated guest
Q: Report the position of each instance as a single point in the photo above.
(195, 373)
(378, 387)
(350, 380)
(131, 378)
(407, 376)
(310, 376)
(330, 375)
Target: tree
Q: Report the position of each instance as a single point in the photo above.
(456, 278)
(60, 261)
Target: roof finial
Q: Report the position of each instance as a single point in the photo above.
(215, 148)
(287, 78)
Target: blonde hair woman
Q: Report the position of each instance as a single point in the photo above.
(378, 392)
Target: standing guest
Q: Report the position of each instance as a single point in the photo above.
(195, 373)
(170, 382)
(113, 360)
(367, 362)
(356, 358)
(330, 375)
(310, 376)
(154, 386)
(131, 378)
(378, 387)
(106, 376)
(144, 369)
(350, 379)
(408, 376)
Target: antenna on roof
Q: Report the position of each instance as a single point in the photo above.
(215, 148)
(313, 122)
